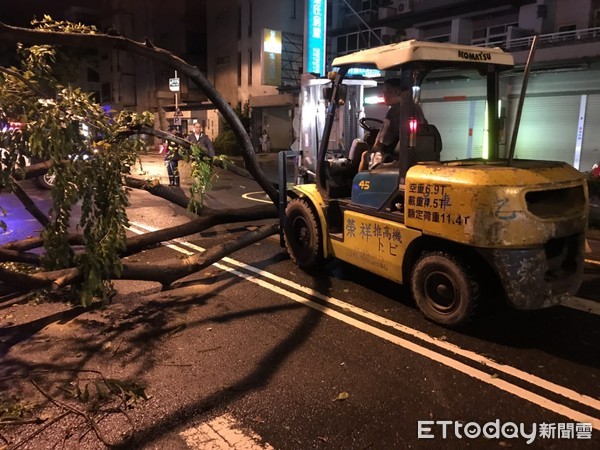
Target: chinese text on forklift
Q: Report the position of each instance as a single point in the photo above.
(448, 230)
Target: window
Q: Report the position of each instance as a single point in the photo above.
(105, 95)
(250, 19)
(92, 75)
(239, 69)
(566, 28)
(495, 35)
(249, 67)
(352, 42)
(341, 44)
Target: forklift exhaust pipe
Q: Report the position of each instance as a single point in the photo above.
(513, 140)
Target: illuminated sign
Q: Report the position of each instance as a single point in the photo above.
(316, 25)
(174, 84)
(271, 57)
(362, 72)
(272, 41)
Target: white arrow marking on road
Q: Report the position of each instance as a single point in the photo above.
(468, 370)
(223, 433)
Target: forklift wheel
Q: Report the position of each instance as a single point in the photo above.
(302, 234)
(443, 289)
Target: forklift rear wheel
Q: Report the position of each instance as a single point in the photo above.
(443, 289)
(302, 234)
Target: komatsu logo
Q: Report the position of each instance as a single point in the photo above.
(472, 56)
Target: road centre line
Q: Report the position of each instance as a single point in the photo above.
(423, 351)
(473, 356)
(524, 376)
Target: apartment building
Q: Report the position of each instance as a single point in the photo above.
(252, 52)
(561, 114)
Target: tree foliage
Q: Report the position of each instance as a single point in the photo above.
(90, 158)
(90, 151)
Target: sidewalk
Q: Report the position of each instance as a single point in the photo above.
(153, 166)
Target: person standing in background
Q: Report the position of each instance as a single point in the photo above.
(200, 138)
(172, 158)
(265, 142)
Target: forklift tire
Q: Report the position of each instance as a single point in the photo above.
(302, 234)
(443, 289)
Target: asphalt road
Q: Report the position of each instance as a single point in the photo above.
(255, 349)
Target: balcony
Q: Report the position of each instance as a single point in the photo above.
(565, 45)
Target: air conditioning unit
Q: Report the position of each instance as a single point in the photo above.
(404, 6)
(386, 12)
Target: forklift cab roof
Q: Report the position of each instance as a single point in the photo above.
(395, 55)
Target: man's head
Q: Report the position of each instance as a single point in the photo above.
(392, 88)
(197, 128)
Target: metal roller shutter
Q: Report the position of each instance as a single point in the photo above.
(548, 129)
(590, 151)
(452, 121)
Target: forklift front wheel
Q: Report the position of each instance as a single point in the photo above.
(302, 234)
(443, 289)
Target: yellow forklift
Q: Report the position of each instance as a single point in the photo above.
(445, 229)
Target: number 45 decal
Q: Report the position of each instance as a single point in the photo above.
(364, 185)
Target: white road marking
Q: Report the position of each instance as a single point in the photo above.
(468, 370)
(223, 433)
(248, 196)
(582, 304)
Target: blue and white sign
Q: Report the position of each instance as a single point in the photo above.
(316, 27)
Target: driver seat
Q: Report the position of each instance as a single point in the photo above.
(341, 171)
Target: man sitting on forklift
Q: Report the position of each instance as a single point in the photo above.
(397, 95)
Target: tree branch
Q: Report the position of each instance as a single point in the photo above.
(165, 272)
(18, 34)
(37, 242)
(169, 271)
(25, 81)
(29, 204)
(20, 257)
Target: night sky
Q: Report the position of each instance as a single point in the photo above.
(20, 12)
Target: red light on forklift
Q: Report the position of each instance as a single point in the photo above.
(412, 125)
(412, 128)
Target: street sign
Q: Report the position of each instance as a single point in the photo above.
(177, 121)
(174, 84)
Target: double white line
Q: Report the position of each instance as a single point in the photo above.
(260, 278)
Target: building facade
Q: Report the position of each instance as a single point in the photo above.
(562, 109)
(255, 59)
(252, 52)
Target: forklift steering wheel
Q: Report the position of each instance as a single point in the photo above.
(363, 124)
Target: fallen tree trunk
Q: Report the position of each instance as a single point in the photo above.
(208, 219)
(37, 242)
(19, 257)
(165, 273)
(170, 271)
